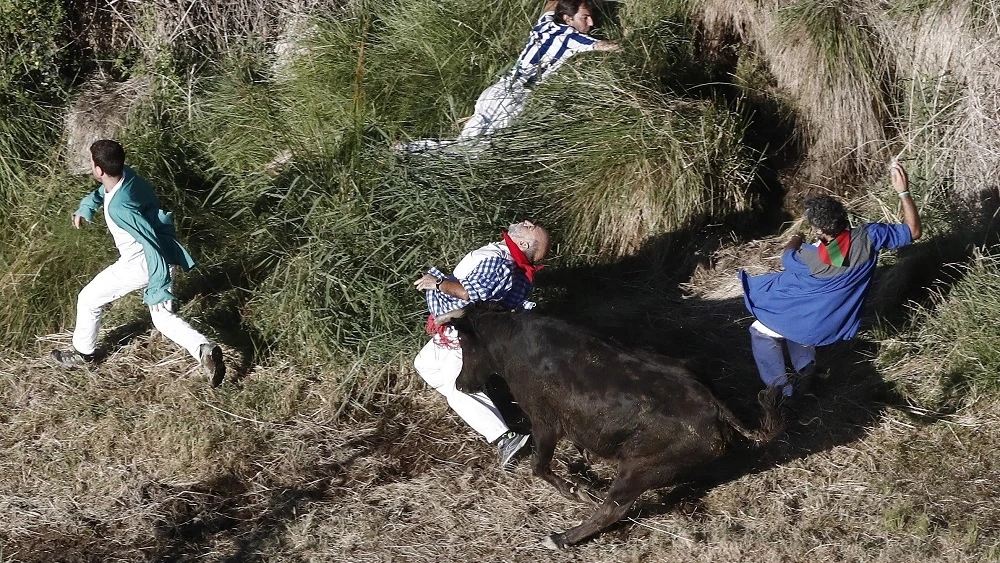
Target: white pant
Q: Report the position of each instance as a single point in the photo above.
(496, 107)
(768, 351)
(116, 281)
(439, 366)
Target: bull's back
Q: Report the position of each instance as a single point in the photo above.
(612, 402)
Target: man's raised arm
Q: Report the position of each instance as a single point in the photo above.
(911, 218)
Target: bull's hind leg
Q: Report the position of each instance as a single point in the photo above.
(545, 439)
(632, 481)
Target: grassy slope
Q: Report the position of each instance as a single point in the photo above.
(327, 447)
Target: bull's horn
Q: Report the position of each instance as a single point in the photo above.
(449, 316)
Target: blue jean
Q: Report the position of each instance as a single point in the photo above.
(768, 352)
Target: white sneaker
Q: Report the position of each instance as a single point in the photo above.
(509, 444)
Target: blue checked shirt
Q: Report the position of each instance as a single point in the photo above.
(488, 274)
(549, 45)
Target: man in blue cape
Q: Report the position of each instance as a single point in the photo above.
(818, 298)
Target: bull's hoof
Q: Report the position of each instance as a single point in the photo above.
(554, 542)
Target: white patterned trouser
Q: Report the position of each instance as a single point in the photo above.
(768, 351)
(114, 282)
(496, 107)
(439, 366)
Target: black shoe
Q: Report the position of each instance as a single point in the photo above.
(71, 358)
(803, 387)
(802, 381)
(509, 444)
(212, 363)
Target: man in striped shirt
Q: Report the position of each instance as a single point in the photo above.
(560, 33)
(502, 272)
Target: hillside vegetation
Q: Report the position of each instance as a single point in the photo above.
(661, 169)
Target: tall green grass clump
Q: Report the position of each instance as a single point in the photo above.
(31, 84)
(343, 229)
(239, 120)
(36, 275)
(353, 243)
(951, 357)
(622, 163)
(410, 69)
(44, 261)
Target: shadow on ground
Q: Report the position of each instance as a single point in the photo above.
(639, 302)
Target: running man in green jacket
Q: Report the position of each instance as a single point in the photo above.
(147, 243)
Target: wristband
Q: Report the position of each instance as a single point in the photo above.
(902, 193)
(437, 284)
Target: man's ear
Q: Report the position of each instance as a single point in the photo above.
(567, 20)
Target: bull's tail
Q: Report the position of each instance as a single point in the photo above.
(771, 424)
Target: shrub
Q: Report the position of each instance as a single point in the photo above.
(950, 356)
(30, 83)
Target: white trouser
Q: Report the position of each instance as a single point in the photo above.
(439, 366)
(496, 107)
(768, 351)
(116, 281)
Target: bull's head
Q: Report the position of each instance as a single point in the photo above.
(477, 364)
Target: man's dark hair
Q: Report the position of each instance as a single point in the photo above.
(826, 214)
(109, 155)
(570, 8)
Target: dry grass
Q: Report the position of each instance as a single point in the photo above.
(827, 64)
(870, 80)
(133, 460)
(99, 112)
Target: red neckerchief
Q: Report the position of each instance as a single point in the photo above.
(834, 253)
(520, 260)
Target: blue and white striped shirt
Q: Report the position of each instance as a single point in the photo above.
(549, 45)
(488, 274)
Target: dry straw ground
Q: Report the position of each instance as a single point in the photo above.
(136, 460)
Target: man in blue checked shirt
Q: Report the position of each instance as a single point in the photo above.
(502, 272)
(560, 33)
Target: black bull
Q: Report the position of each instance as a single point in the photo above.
(646, 411)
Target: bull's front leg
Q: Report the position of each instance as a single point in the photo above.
(632, 480)
(545, 439)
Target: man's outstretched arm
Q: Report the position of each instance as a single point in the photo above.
(911, 218)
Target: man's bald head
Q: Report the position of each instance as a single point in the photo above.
(532, 239)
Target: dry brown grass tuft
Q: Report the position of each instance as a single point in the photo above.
(132, 460)
(99, 112)
(948, 57)
(872, 80)
(828, 64)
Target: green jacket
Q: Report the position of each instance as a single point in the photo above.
(136, 209)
